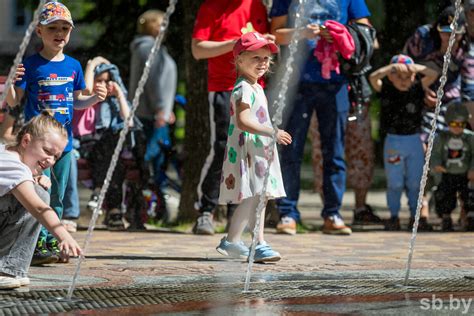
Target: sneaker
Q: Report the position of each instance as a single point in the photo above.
(93, 201)
(204, 225)
(286, 225)
(265, 253)
(24, 281)
(42, 255)
(334, 225)
(9, 282)
(366, 216)
(393, 224)
(447, 224)
(233, 250)
(423, 225)
(115, 220)
(53, 247)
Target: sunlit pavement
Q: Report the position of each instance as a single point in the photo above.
(137, 273)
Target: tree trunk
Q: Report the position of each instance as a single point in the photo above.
(196, 141)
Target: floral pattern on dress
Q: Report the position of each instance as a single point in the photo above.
(261, 115)
(248, 154)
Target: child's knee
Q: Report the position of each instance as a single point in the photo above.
(43, 194)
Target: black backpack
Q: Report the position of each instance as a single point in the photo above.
(358, 65)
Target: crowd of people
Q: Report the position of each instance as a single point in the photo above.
(69, 114)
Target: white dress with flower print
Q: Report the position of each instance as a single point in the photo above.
(246, 155)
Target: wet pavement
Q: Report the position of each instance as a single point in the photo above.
(148, 273)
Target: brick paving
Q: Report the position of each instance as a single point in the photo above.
(146, 273)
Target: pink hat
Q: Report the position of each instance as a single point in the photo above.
(252, 41)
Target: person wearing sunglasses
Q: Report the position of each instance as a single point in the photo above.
(453, 158)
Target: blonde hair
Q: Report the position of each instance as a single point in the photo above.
(38, 126)
(148, 20)
(236, 59)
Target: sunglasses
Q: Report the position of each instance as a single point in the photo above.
(457, 124)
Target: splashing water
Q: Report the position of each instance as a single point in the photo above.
(123, 134)
(439, 95)
(21, 51)
(279, 104)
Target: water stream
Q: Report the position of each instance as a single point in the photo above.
(279, 104)
(439, 95)
(123, 134)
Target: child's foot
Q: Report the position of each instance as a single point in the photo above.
(265, 253)
(43, 255)
(233, 250)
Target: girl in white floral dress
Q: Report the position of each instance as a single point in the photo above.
(248, 149)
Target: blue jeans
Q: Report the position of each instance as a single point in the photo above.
(403, 161)
(59, 180)
(158, 140)
(331, 102)
(18, 233)
(71, 196)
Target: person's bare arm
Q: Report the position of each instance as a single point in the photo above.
(15, 94)
(82, 102)
(89, 73)
(376, 77)
(429, 75)
(283, 34)
(208, 49)
(123, 104)
(246, 123)
(25, 194)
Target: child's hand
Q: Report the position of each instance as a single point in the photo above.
(97, 61)
(43, 181)
(69, 247)
(430, 98)
(400, 68)
(20, 72)
(283, 137)
(114, 89)
(470, 175)
(439, 169)
(269, 37)
(161, 121)
(100, 92)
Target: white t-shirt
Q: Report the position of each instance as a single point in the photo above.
(12, 171)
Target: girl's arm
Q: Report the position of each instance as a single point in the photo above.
(89, 73)
(25, 194)
(246, 123)
(118, 93)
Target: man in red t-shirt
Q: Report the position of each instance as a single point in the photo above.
(218, 26)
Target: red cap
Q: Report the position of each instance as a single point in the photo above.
(252, 41)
